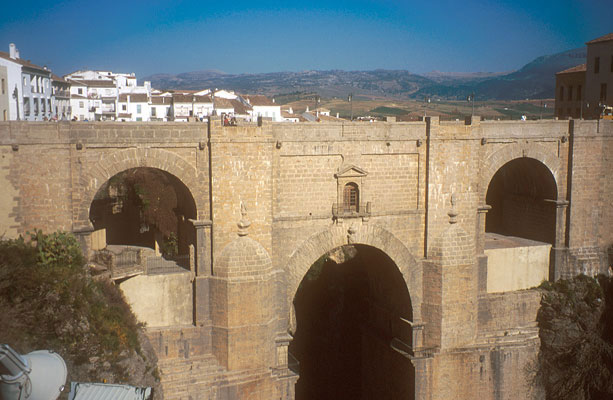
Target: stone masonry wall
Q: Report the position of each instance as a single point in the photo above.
(475, 345)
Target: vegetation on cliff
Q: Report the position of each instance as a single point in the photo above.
(48, 300)
(576, 332)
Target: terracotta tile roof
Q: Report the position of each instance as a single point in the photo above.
(134, 97)
(56, 78)
(139, 97)
(74, 82)
(203, 99)
(240, 108)
(77, 96)
(182, 98)
(259, 100)
(222, 103)
(578, 68)
(605, 38)
(96, 83)
(25, 63)
(183, 91)
(160, 100)
(124, 115)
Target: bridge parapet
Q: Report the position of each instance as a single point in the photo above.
(348, 131)
(115, 133)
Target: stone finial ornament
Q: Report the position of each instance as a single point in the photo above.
(453, 214)
(351, 234)
(244, 223)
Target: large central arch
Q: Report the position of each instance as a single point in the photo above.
(354, 315)
(366, 234)
(397, 268)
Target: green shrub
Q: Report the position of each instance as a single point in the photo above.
(575, 327)
(48, 300)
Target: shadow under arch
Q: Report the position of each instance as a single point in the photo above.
(492, 164)
(118, 208)
(522, 194)
(337, 236)
(354, 313)
(94, 176)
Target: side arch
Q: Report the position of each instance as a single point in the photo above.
(92, 178)
(372, 235)
(498, 159)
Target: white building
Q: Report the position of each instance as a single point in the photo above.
(222, 106)
(82, 108)
(28, 86)
(262, 106)
(160, 108)
(122, 81)
(102, 92)
(60, 100)
(182, 106)
(202, 106)
(133, 107)
(4, 94)
(225, 94)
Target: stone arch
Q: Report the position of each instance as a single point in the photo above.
(95, 176)
(498, 159)
(368, 234)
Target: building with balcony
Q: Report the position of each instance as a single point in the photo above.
(28, 86)
(60, 99)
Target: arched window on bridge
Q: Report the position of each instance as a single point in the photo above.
(351, 197)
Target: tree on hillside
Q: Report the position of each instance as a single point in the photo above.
(576, 331)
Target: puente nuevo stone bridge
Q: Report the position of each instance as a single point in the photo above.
(428, 237)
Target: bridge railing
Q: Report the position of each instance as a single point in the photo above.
(133, 261)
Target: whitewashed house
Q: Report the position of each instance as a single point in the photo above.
(160, 108)
(4, 94)
(202, 106)
(80, 107)
(222, 106)
(182, 106)
(225, 94)
(28, 87)
(60, 100)
(133, 107)
(262, 106)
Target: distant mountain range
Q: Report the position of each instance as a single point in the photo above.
(535, 80)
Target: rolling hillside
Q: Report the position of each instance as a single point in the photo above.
(536, 80)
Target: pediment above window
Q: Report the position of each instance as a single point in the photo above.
(350, 171)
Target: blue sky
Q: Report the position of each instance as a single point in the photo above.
(155, 36)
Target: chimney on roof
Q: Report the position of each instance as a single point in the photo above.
(13, 52)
